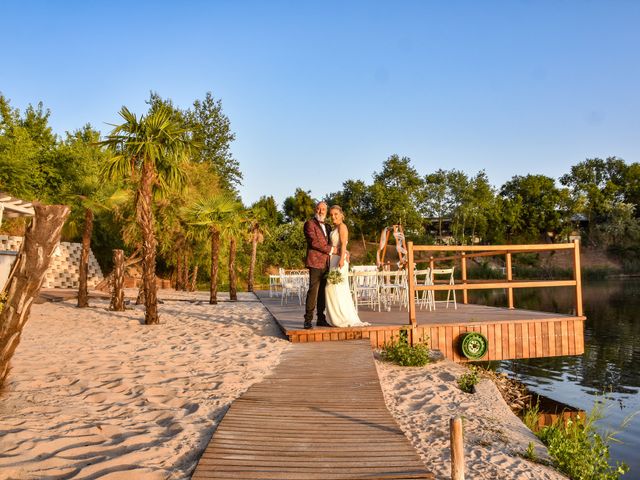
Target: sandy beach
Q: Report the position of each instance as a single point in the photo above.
(96, 394)
(423, 399)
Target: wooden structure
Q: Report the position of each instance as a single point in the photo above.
(319, 415)
(511, 333)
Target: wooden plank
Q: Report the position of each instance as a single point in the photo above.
(448, 334)
(525, 340)
(557, 328)
(551, 335)
(539, 340)
(505, 341)
(578, 327)
(564, 332)
(455, 335)
(498, 342)
(518, 340)
(532, 339)
(511, 328)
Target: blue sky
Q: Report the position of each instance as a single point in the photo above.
(321, 92)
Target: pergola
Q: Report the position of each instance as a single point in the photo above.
(11, 207)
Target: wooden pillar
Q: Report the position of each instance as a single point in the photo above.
(509, 278)
(117, 294)
(465, 296)
(412, 294)
(577, 276)
(457, 449)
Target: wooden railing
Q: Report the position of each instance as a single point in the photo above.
(462, 253)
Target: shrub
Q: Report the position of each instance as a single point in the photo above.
(575, 446)
(468, 381)
(400, 352)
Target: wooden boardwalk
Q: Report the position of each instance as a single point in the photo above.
(319, 415)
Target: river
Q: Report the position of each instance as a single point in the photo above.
(610, 364)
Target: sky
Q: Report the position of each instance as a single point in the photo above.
(319, 92)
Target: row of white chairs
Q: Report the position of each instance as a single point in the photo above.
(370, 287)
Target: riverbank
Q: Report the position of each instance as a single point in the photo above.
(95, 393)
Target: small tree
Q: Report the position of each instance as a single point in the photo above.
(152, 150)
(210, 213)
(40, 240)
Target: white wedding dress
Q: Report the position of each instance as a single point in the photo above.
(340, 309)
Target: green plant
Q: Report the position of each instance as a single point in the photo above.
(468, 381)
(530, 453)
(530, 417)
(578, 450)
(399, 351)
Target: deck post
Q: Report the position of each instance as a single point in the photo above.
(457, 448)
(412, 292)
(463, 259)
(509, 278)
(577, 276)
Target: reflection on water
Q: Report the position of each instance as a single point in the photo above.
(611, 362)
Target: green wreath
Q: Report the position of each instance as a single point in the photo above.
(474, 345)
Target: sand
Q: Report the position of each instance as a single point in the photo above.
(424, 399)
(96, 394)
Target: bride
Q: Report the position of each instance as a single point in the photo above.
(340, 309)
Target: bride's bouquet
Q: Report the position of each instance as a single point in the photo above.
(334, 276)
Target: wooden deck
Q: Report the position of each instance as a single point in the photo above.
(319, 415)
(511, 334)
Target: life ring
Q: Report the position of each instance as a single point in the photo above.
(474, 345)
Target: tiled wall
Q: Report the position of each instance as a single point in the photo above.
(64, 269)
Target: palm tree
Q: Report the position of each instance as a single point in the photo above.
(257, 220)
(152, 150)
(232, 230)
(211, 213)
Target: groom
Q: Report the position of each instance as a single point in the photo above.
(317, 261)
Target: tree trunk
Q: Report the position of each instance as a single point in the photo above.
(185, 272)
(177, 284)
(233, 289)
(146, 222)
(364, 245)
(252, 264)
(117, 293)
(39, 243)
(140, 296)
(83, 290)
(194, 279)
(215, 254)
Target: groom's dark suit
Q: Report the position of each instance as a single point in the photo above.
(317, 261)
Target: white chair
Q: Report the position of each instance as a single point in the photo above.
(365, 288)
(424, 298)
(291, 284)
(394, 288)
(446, 272)
(274, 286)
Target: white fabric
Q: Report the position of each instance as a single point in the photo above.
(341, 311)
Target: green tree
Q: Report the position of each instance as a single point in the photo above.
(395, 194)
(212, 131)
(152, 149)
(538, 208)
(299, 207)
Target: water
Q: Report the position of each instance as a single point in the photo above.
(611, 362)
